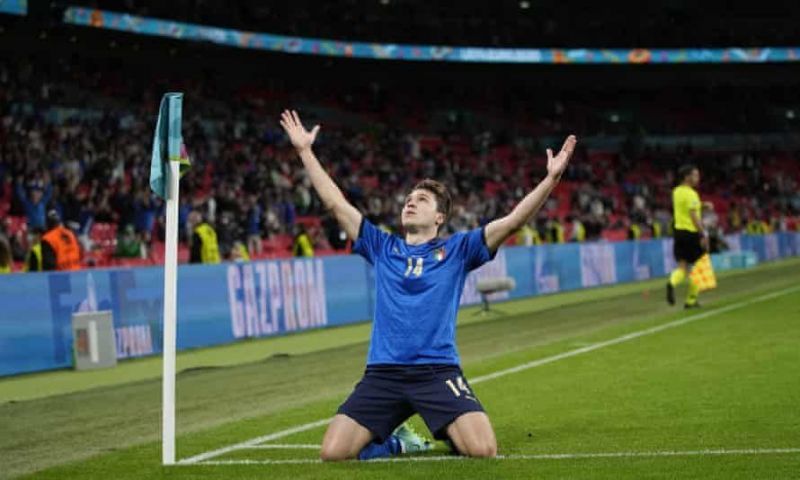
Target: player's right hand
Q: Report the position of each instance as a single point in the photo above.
(301, 138)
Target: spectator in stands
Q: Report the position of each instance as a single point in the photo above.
(5, 255)
(578, 230)
(239, 252)
(228, 232)
(527, 235)
(755, 226)
(254, 214)
(634, 231)
(656, 230)
(82, 221)
(123, 202)
(145, 207)
(60, 247)
(302, 246)
(204, 247)
(33, 259)
(98, 165)
(128, 243)
(35, 203)
(734, 218)
(184, 209)
(555, 230)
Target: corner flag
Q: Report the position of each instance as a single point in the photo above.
(167, 143)
(168, 159)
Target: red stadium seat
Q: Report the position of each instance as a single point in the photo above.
(16, 224)
(104, 235)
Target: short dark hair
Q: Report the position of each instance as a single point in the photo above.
(443, 200)
(53, 219)
(685, 170)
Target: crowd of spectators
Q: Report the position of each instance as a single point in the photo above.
(78, 141)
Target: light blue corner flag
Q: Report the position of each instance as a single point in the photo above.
(167, 143)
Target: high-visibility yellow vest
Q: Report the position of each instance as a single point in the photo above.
(244, 255)
(635, 231)
(656, 229)
(528, 235)
(557, 232)
(36, 253)
(754, 228)
(302, 246)
(209, 247)
(579, 232)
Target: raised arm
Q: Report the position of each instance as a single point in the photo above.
(499, 230)
(347, 215)
(20, 191)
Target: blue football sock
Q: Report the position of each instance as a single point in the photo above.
(379, 450)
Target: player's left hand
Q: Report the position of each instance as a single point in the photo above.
(556, 165)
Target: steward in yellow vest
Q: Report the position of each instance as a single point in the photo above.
(205, 248)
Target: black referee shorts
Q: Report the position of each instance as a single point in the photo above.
(687, 246)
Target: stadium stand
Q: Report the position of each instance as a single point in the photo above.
(83, 124)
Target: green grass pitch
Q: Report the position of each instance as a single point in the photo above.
(602, 383)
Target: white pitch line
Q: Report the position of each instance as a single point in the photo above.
(281, 446)
(254, 441)
(543, 456)
(525, 366)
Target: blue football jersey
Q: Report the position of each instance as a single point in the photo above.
(417, 290)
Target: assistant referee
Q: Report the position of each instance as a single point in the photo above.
(690, 238)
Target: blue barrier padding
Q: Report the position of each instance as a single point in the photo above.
(219, 304)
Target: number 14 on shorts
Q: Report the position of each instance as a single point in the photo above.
(460, 387)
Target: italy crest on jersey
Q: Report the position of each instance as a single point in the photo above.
(438, 254)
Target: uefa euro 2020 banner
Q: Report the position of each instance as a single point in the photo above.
(124, 22)
(14, 7)
(219, 304)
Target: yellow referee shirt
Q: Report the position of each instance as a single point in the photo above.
(684, 201)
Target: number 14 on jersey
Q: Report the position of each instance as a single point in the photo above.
(414, 269)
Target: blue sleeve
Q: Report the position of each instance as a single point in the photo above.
(370, 241)
(21, 194)
(48, 192)
(474, 249)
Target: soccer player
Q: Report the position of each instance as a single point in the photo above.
(413, 364)
(690, 239)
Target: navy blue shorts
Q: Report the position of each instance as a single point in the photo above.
(388, 394)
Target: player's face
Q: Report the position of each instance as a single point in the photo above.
(419, 210)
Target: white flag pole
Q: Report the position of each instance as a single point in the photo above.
(170, 312)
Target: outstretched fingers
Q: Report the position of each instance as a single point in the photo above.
(557, 164)
(290, 120)
(287, 122)
(569, 145)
